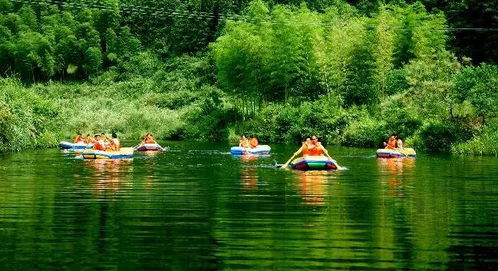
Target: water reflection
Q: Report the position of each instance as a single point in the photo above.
(313, 186)
(397, 170)
(109, 174)
(184, 210)
(248, 157)
(249, 178)
(150, 153)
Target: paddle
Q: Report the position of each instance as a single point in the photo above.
(288, 161)
(327, 154)
(331, 158)
(403, 152)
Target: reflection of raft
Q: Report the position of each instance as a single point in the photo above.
(150, 147)
(96, 154)
(387, 153)
(313, 163)
(261, 149)
(74, 146)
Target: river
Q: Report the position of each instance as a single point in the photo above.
(196, 207)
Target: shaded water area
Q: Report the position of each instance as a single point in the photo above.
(196, 207)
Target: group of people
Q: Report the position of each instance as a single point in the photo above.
(148, 139)
(104, 143)
(312, 147)
(100, 141)
(249, 143)
(393, 143)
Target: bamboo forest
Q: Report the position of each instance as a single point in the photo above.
(162, 134)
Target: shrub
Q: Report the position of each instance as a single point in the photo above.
(399, 119)
(484, 144)
(26, 119)
(364, 132)
(170, 100)
(434, 137)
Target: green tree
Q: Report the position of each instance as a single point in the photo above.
(430, 81)
(478, 86)
(93, 60)
(33, 56)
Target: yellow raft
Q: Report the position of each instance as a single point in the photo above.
(396, 153)
(124, 153)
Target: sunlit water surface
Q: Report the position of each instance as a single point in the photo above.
(196, 207)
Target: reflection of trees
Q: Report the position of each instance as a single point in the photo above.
(378, 214)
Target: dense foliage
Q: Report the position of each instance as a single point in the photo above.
(351, 72)
(41, 42)
(362, 78)
(158, 98)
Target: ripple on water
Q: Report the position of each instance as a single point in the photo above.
(197, 207)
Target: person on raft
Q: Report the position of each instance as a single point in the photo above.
(391, 143)
(89, 139)
(253, 142)
(243, 142)
(399, 143)
(78, 138)
(148, 139)
(114, 144)
(305, 146)
(317, 149)
(312, 147)
(394, 143)
(99, 143)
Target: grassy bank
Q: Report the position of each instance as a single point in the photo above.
(41, 115)
(163, 99)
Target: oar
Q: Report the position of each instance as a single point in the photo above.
(331, 158)
(288, 161)
(328, 155)
(403, 152)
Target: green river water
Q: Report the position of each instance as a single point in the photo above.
(196, 207)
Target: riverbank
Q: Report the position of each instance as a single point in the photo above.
(42, 115)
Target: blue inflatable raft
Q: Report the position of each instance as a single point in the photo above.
(65, 145)
(124, 153)
(259, 150)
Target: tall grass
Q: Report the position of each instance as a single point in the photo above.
(131, 104)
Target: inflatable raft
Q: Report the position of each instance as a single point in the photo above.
(65, 145)
(149, 147)
(313, 163)
(261, 149)
(124, 153)
(388, 153)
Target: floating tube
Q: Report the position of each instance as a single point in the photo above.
(149, 147)
(74, 146)
(313, 163)
(388, 153)
(261, 149)
(97, 154)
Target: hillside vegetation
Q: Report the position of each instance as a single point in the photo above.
(352, 74)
